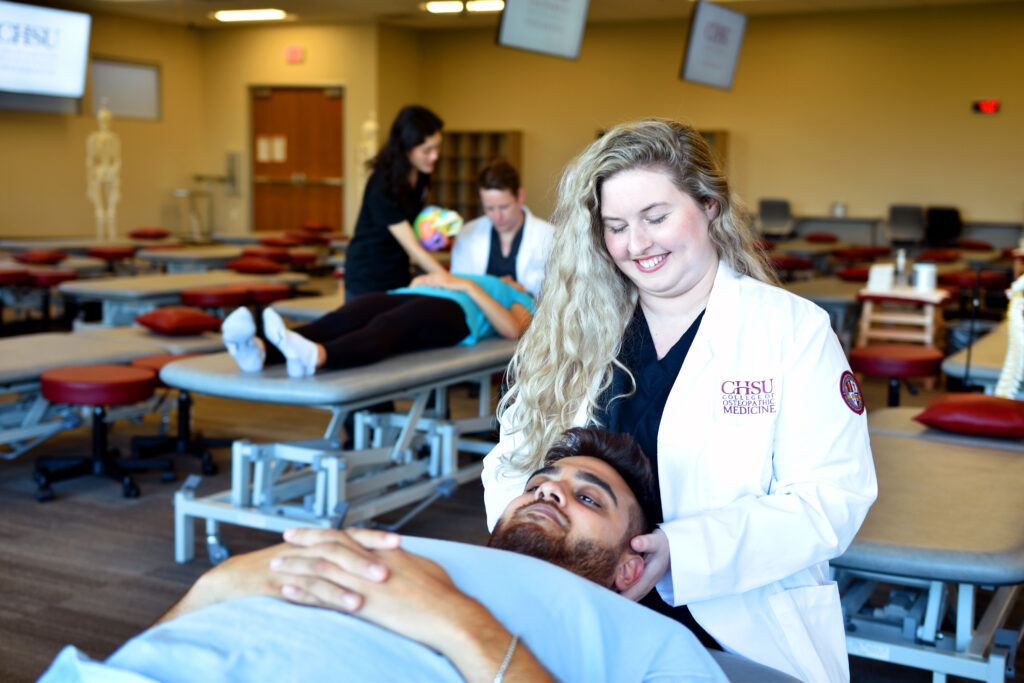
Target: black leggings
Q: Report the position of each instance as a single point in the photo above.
(376, 326)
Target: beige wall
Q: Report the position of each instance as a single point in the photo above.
(398, 69)
(43, 171)
(870, 108)
(235, 59)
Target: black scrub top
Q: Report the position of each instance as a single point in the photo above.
(639, 415)
(374, 260)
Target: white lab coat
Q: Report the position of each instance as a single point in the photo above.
(758, 495)
(472, 249)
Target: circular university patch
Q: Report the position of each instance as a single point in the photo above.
(850, 391)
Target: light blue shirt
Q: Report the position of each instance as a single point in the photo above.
(479, 326)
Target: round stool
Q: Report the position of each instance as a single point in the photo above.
(112, 254)
(264, 293)
(96, 386)
(276, 254)
(967, 279)
(821, 238)
(896, 361)
(254, 265)
(183, 442)
(315, 226)
(46, 278)
(215, 297)
(308, 238)
(853, 274)
(302, 258)
(149, 234)
(973, 245)
(787, 266)
(938, 256)
(40, 257)
(279, 241)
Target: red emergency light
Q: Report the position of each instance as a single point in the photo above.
(987, 106)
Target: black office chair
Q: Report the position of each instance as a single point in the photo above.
(905, 226)
(774, 218)
(942, 226)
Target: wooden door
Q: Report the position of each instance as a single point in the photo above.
(297, 157)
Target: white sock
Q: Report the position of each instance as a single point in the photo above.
(300, 353)
(239, 333)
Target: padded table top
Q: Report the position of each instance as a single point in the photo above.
(826, 290)
(217, 252)
(987, 356)
(159, 343)
(247, 238)
(305, 309)
(155, 286)
(218, 375)
(901, 422)
(945, 512)
(24, 358)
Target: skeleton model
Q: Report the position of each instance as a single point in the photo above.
(103, 174)
(1013, 367)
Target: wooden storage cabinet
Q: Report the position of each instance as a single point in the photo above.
(463, 155)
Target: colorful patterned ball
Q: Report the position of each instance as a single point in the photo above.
(435, 226)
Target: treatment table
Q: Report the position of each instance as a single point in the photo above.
(191, 259)
(987, 354)
(947, 525)
(397, 458)
(125, 298)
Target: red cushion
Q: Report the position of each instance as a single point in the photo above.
(157, 362)
(939, 255)
(975, 414)
(988, 279)
(13, 276)
(853, 274)
(269, 292)
(149, 233)
(179, 321)
(307, 238)
(821, 237)
(216, 297)
(973, 245)
(279, 241)
(255, 265)
(112, 252)
(316, 226)
(896, 360)
(302, 258)
(50, 277)
(46, 257)
(854, 253)
(97, 385)
(278, 254)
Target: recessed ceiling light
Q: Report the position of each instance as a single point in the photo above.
(249, 15)
(444, 6)
(485, 5)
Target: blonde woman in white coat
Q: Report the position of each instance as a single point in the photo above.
(659, 318)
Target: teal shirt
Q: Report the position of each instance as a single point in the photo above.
(479, 326)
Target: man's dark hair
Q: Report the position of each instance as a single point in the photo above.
(623, 455)
(499, 175)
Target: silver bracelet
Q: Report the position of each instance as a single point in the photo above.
(508, 658)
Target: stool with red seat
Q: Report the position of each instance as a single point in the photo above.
(279, 241)
(277, 254)
(219, 299)
(113, 254)
(821, 238)
(308, 238)
(938, 256)
(854, 274)
(184, 441)
(315, 226)
(44, 279)
(96, 386)
(896, 362)
(254, 265)
(788, 267)
(262, 294)
(40, 257)
(149, 234)
(302, 258)
(966, 281)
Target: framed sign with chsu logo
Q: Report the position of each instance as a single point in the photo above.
(713, 50)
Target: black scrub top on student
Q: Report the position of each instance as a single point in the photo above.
(639, 415)
(374, 260)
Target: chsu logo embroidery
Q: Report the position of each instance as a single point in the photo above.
(748, 396)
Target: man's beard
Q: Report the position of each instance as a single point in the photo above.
(588, 559)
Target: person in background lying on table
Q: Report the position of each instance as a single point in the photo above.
(438, 309)
(383, 244)
(578, 511)
(660, 319)
(508, 240)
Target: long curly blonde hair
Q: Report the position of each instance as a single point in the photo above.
(566, 357)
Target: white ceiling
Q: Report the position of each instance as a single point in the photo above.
(408, 12)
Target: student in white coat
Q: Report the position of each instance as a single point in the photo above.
(508, 240)
(659, 319)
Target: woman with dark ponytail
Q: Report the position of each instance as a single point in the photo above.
(384, 243)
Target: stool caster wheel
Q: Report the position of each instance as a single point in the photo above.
(168, 476)
(216, 550)
(129, 489)
(44, 494)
